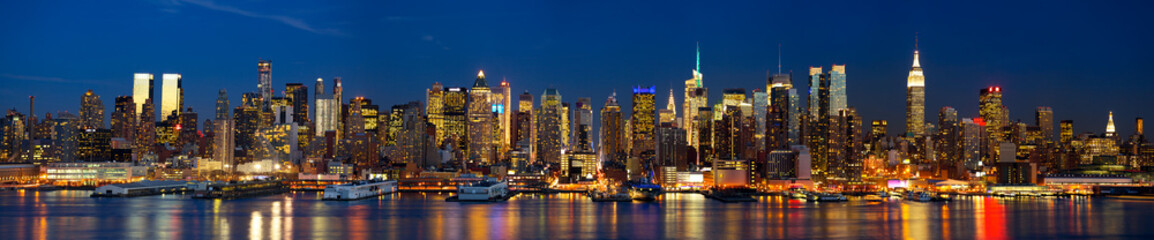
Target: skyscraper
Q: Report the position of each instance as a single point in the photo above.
(696, 96)
(846, 146)
(583, 126)
(222, 105)
(481, 121)
(264, 78)
(124, 118)
(224, 142)
(327, 110)
(142, 91)
(171, 94)
(760, 103)
(1044, 118)
(456, 110)
(994, 114)
(948, 143)
(915, 100)
(91, 111)
(223, 132)
(145, 130)
(837, 95)
(818, 122)
(612, 131)
(669, 114)
(781, 113)
(298, 97)
(434, 98)
(642, 118)
(549, 138)
(1067, 134)
(502, 105)
(526, 124)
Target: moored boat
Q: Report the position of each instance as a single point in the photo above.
(599, 196)
(489, 190)
(644, 191)
(732, 194)
(359, 190)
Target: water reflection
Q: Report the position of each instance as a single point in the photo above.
(72, 214)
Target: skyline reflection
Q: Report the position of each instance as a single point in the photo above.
(70, 213)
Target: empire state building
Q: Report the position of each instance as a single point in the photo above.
(916, 100)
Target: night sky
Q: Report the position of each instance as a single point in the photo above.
(1081, 58)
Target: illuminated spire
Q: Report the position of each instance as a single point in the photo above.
(697, 68)
(1110, 125)
(671, 105)
(916, 78)
(480, 83)
(916, 63)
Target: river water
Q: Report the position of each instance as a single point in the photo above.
(71, 214)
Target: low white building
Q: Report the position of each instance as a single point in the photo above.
(108, 171)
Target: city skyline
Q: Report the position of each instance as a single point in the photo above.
(724, 63)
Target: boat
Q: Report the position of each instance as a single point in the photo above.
(926, 196)
(796, 193)
(232, 190)
(359, 190)
(48, 187)
(827, 197)
(874, 198)
(489, 190)
(601, 196)
(941, 197)
(739, 194)
(644, 191)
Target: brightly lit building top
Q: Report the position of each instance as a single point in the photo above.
(916, 78)
(697, 68)
(1110, 125)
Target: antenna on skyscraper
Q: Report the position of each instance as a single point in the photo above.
(778, 58)
(915, 41)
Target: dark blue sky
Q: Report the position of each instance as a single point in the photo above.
(1081, 58)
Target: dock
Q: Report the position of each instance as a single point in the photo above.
(142, 188)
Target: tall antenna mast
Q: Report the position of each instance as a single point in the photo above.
(778, 58)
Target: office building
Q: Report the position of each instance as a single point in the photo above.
(642, 119)
(298, 97)
(612, 131)
(172, 95)
(142, 89)
(549, 138)
(456, 110)
(124, 118)
(91, 111)
(480, 121)
(264, 79)
(696, 96)
(1044, 118)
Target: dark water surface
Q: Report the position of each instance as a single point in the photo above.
(71, 214)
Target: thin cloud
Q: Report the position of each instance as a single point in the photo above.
(290, 21)
(48, 79)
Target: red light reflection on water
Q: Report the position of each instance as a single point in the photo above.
(991, 220)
